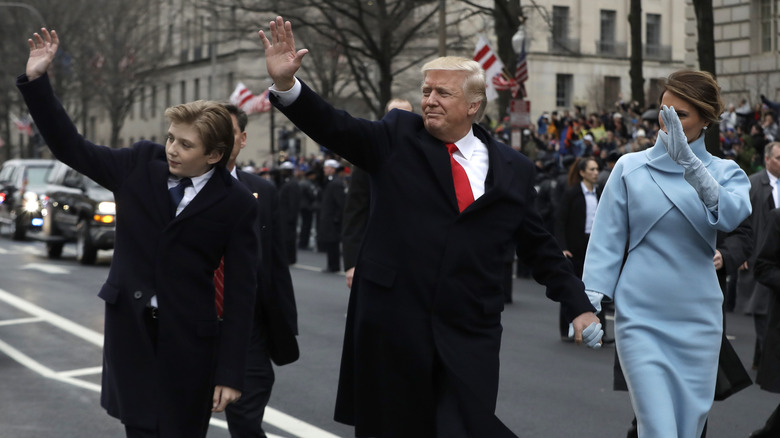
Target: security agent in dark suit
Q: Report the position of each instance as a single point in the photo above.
(767, 271)
(421, 347)
(275, 322)
(752, 296)
(168, 359)
(575, 214)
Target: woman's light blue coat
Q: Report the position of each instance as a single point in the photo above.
(668, 317)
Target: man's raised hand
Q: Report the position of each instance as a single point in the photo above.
(281, 58)
(42, 51)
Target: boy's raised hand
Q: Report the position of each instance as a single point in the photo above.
(42, 51)
(281, 58)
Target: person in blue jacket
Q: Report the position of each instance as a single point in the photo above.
(659, 214)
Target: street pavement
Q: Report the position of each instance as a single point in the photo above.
(51, 325)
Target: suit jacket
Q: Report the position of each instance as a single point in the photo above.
(355, 216)
(570, 224)
(767, 270)
(752, 296)
(334, 195)
(426, 300)
(172, 258)
(735, 247)
(275, 311)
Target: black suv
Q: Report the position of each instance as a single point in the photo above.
(22, 182)
(79, 210)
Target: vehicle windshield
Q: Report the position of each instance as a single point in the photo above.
(37, 175)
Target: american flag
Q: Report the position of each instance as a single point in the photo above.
(521, 73)
(243, 98)
(24, 125)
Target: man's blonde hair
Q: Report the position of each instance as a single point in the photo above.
(474, 84)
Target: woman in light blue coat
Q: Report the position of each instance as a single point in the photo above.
(659, 214)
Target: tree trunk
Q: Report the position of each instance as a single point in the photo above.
(506, 14)
(637, 81)
(705, 49)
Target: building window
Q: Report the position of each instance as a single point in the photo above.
(167, 95)
(653, 34)
(611, 91)
(606, 44)
(196, 88)
(563, 89)
(767, 30)
(183, 89)
(560, 29)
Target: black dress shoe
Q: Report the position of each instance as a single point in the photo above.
(605, 340)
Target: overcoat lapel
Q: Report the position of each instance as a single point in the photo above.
(214, 191)
(666, 174)
(439, 160)
(500, 164)
(158, 174)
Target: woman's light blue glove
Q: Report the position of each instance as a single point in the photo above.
(680, 151)
(592, 335)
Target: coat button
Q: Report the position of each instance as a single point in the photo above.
(138, 295)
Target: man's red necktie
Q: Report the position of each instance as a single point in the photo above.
(462, 186)
(219, 284)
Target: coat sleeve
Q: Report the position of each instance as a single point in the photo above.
(538, 249)
(608, 238)
(104, 165)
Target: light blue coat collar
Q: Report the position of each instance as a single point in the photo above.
(658, 158)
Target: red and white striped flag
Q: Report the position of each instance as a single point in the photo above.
(243, 98)
(492, 65)
(23, 124)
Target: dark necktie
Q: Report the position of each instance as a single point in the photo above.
(177, 193)
(462, 186)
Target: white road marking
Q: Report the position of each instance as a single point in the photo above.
(81, 372)
(272, 416)
(47, 268)
(20, 321)
(69, 326)
(313, 269)
(44, 371)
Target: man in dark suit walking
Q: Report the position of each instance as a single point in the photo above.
(752, 296)
(420, 356)
(275, 322)
(167, 358)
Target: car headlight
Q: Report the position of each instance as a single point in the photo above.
(30, 202)
(106, 208)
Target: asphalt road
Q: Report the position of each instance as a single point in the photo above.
(50, 351)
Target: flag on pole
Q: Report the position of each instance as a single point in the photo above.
(492, 65)
(521, 74)
(243, 98)
(23, 125)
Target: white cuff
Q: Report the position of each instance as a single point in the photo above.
(286, 98)
(595, 299)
